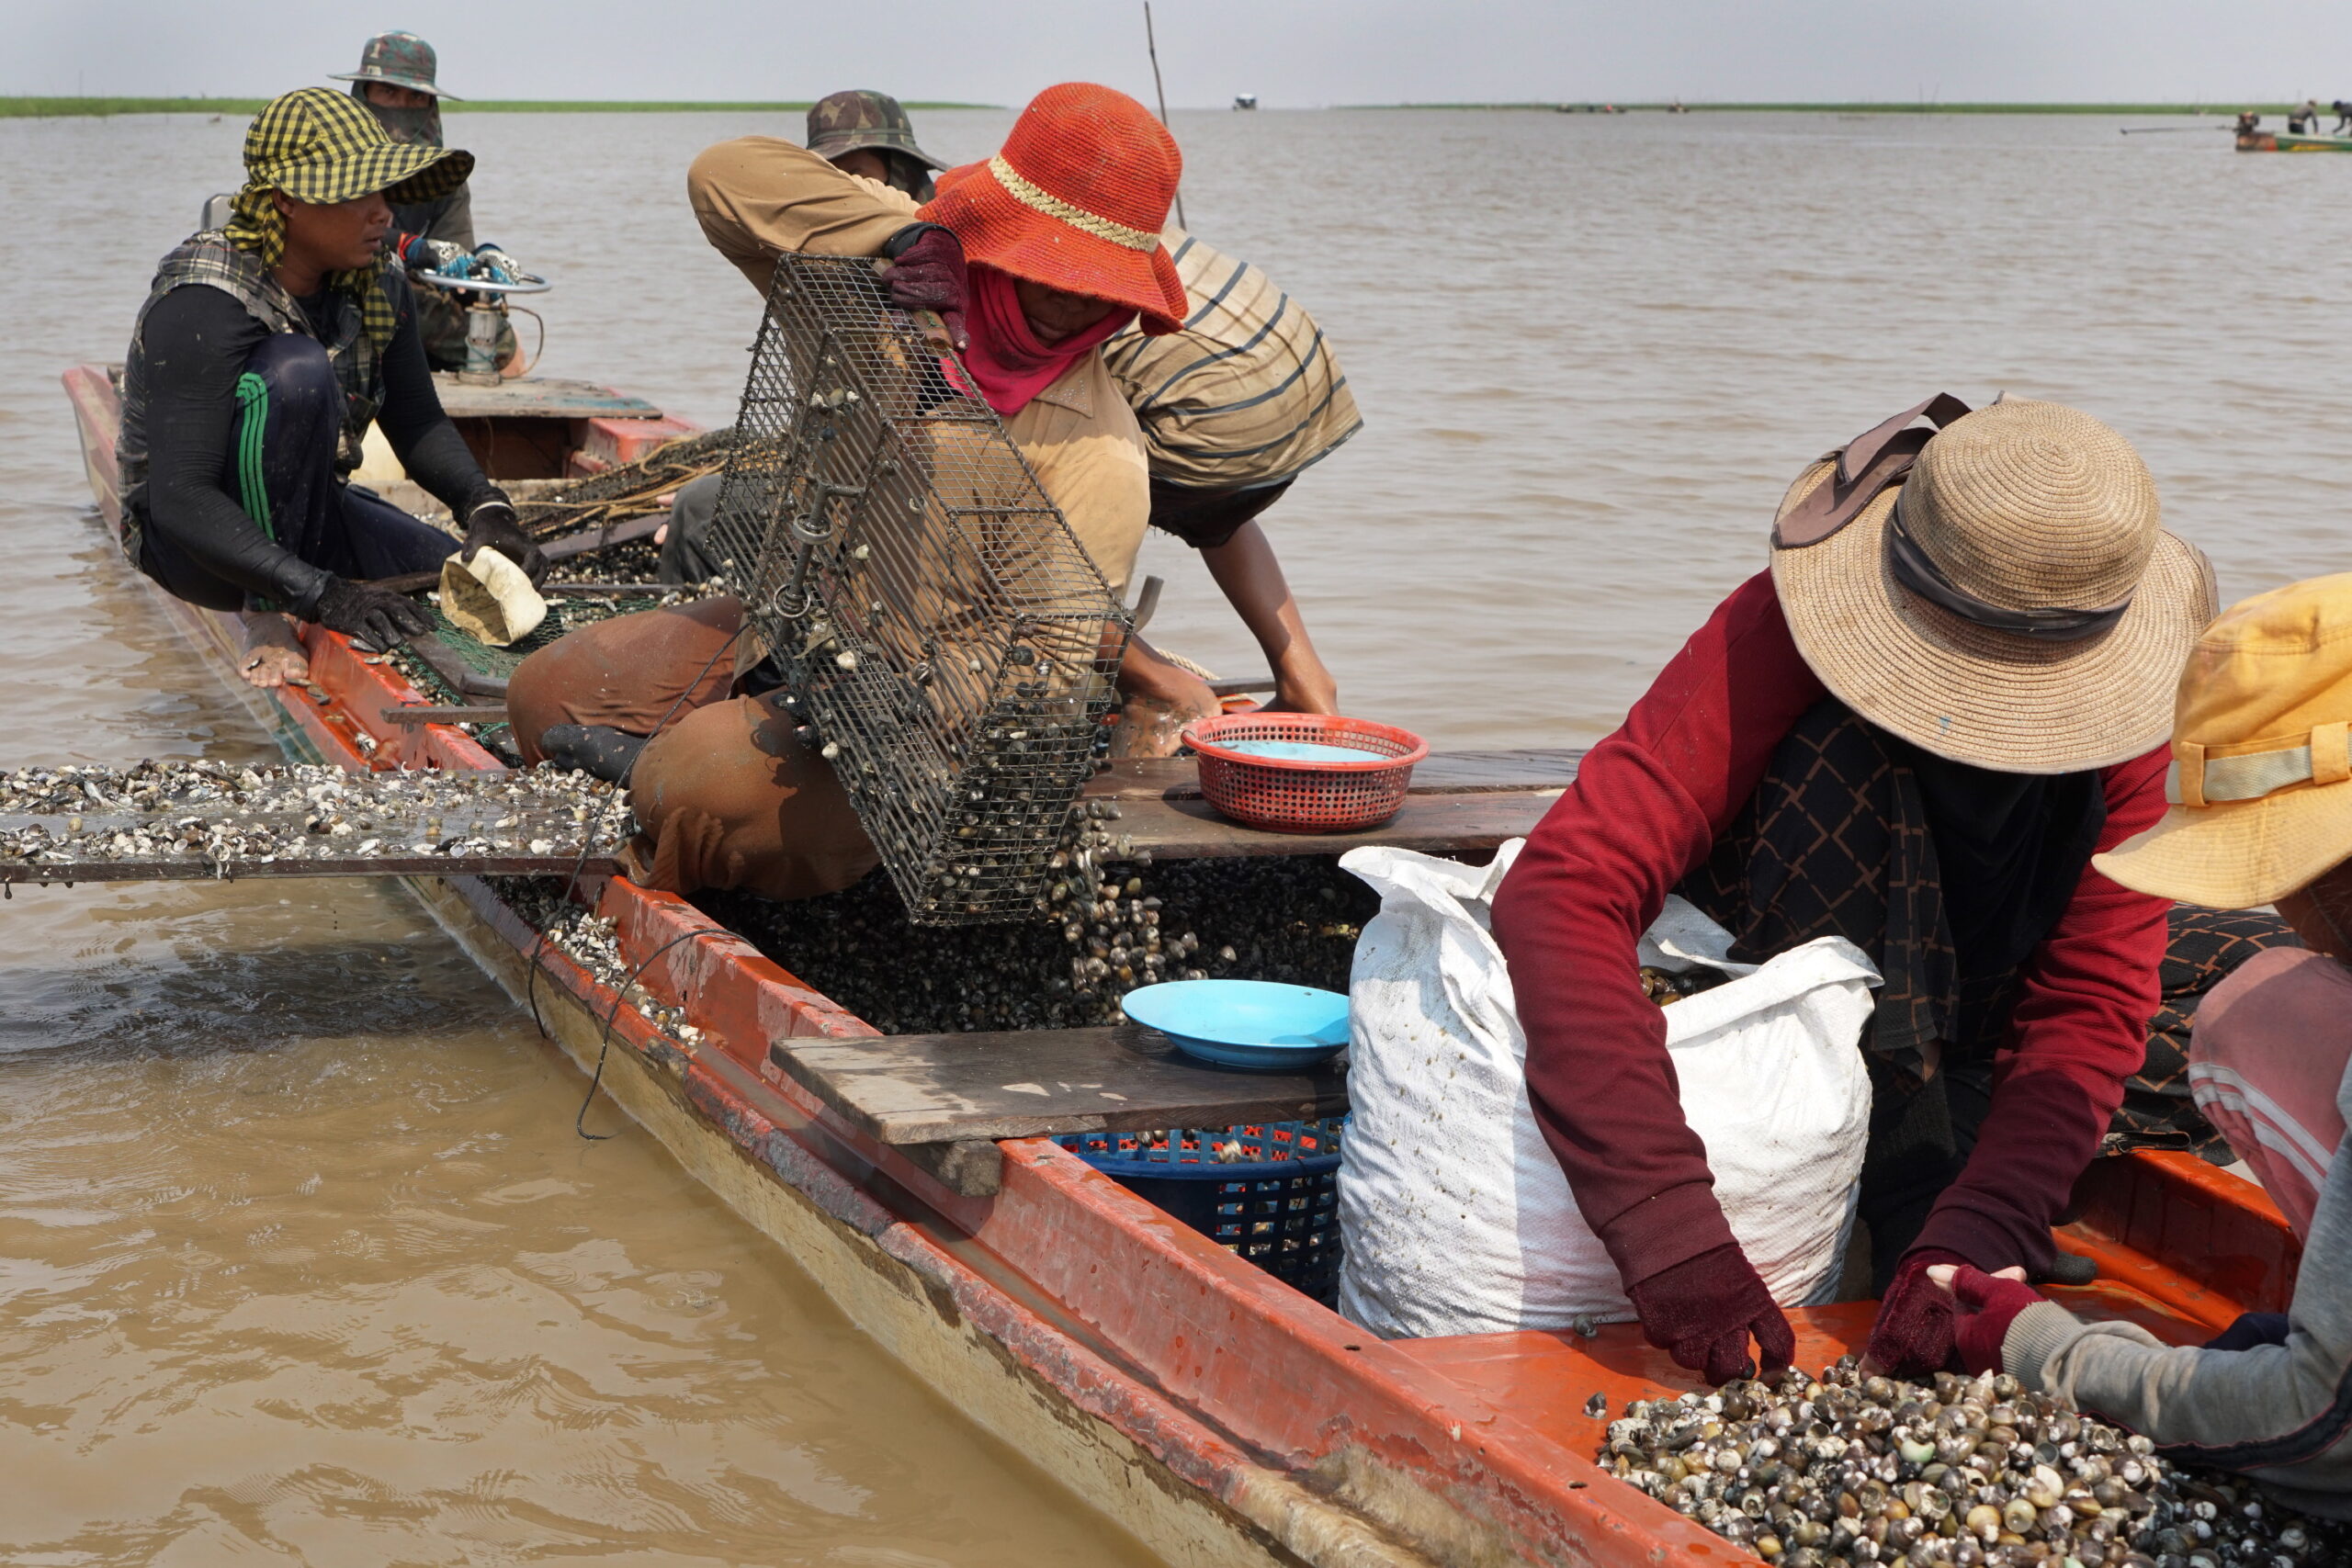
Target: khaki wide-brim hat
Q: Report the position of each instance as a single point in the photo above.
(2030, 506)
(2261, 784)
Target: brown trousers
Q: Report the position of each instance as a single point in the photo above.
(726, 797)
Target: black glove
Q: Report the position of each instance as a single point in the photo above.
(376, 616)
(927, 274)
(2250, 1329)
(494, 523)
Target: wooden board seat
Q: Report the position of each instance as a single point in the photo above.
(1460, 802)
(906, 1089)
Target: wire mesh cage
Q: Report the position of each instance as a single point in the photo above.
(932, 612)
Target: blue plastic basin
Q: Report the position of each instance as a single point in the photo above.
(1253, 1024)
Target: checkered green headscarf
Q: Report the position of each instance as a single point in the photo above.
(319, 146)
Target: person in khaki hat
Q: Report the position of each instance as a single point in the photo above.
(2261, 812)
(865, 133)
(1950, 690)
(397, 80)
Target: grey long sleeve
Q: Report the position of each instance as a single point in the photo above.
(2280, 1414)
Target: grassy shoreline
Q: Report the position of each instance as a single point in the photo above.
(33, 107)
(1578, 106)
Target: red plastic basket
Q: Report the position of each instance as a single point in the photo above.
(1285, 795)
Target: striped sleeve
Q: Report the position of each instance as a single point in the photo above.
(1248, 393)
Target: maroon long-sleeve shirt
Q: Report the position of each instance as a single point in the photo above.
(1648, 806)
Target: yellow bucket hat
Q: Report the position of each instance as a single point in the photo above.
(2261, 780)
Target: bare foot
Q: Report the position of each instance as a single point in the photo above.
(274, 655)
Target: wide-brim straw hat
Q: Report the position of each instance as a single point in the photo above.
(1075, 199)
(2261, 784)
(318, 145)
(2070, 610)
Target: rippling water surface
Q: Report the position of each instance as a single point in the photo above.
(300, 1259)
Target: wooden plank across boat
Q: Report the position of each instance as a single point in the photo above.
(1214, 1413)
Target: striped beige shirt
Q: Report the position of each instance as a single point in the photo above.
(1248, 394)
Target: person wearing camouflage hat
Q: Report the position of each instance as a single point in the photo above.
(397, 81)
(263, 352)
(866, 132)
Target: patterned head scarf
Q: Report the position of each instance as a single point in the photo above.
(319, 146)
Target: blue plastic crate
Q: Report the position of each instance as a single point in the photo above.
(1277, 1205)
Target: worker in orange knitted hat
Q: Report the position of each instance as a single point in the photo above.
(1033, 259)
(1075, 201)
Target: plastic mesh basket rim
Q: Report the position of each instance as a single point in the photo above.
(1327, 1133)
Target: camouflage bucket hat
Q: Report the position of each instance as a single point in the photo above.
(845, 122)
(398, 60)
(318, 146)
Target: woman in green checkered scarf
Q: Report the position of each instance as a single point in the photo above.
(320, 177)
(262, 355)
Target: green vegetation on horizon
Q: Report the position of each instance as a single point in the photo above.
(29, 107)
(1576, 105)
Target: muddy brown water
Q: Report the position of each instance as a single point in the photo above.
(298, 1254)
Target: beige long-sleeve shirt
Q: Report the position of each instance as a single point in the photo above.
(757, 196)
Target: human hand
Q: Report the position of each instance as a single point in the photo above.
(1308, 688)
(376, 616)
(1913, 1335)
(926, 272)
(494, 524)
(1988, 1304)
(2249, 1329)
(1702, 1311)
(426, 256)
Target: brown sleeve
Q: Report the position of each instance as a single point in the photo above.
(757, 196)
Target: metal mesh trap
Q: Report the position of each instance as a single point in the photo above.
(930, 608)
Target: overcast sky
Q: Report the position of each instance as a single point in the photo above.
(1292, 52)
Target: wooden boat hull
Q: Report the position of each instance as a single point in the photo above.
(1214, 1413)
(2285, 142)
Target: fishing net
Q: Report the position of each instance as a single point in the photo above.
(631, 491)
(934, 615)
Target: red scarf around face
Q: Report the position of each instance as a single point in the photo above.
(1005, 360)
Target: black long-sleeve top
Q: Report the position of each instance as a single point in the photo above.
(196, 341)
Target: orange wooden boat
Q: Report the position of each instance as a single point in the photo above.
(1218, 1415)
(2290, 141)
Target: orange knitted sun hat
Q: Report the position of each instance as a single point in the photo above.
(1075, 200)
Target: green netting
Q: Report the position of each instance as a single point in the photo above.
(564, 613)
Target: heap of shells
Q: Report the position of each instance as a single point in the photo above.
(1288, 918)
(590, 940)
(1976, 1472)
(222, 813)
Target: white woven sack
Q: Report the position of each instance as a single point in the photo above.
(1456, 1218)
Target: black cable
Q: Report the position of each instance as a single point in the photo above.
(612, 1014)
(571, 878)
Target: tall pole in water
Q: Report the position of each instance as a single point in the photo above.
(1152, 44)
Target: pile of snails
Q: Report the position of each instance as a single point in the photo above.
(1972, 1473)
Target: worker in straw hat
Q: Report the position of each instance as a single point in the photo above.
(397, 81)
(1034, 260)
(1952, 688)
(260, 356)
(2261, 812)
